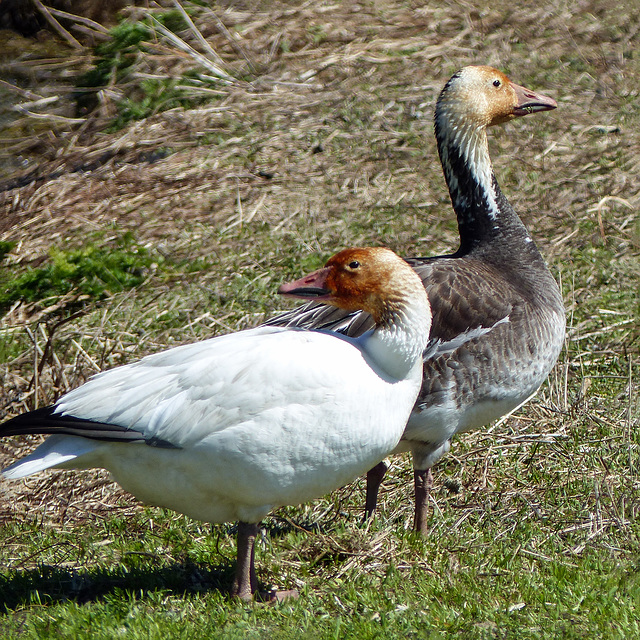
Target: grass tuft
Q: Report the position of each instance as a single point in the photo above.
(92, 270)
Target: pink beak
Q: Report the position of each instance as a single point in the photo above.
(312, 286)
(531, 102)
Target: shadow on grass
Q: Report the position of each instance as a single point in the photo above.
(48, 585)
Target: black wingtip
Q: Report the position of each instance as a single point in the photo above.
(47, 422)
(27, 423)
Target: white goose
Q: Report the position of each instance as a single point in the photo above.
(498, 316)
(229, 428)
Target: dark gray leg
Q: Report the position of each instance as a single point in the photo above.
(245, 583)
(374, 480)
(423, 483)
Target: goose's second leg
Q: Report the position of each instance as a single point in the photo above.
(423, 483)
(374, 480)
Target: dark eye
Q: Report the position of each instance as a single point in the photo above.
(496, 83)
(354, 265)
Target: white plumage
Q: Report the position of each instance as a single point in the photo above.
(229, 428)
(258, 419)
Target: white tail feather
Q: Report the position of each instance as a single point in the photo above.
(53, 452)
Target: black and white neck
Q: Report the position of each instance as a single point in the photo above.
(475, 194)
(474, 99)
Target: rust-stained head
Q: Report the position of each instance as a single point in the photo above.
(373, 279)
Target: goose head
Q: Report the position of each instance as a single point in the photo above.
(483, 96)
(373, 279)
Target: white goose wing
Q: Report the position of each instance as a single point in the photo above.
(180, 396)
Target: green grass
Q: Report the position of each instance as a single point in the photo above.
(504, 588)
(115, 63)
(92, 270)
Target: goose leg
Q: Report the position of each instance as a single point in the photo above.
(423, 483)
(374, 480)
(245, 583)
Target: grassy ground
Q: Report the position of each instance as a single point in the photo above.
(316, 134)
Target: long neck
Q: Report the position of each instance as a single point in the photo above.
(401, 335)
(488, 225)
(484, 214)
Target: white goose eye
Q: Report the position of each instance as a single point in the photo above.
(497, 83)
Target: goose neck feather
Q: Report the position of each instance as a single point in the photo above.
(474, 190)
(398, 342)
